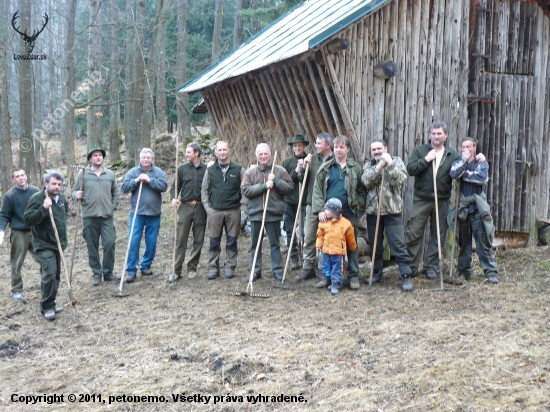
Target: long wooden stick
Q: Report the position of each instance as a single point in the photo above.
(70, 291)
(454, 230)
(437, 223)
(380, 197)
(296, 220)
(130, 239)
(176, 212)
(261, 232)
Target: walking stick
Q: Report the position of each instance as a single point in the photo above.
(437, 223)
(454, 231)
(72, 300)
(119, 292)
(380, 197)
(76, 224)
(295, 224)
(261, 234)
(174, 277)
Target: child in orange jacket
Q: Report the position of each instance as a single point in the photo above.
(335, 238)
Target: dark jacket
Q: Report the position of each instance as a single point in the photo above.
(290, 166)
(101, 194)
(13, 208)
(254, 188)
(422, 172)
(150, 203)
(219, 191)
(43, 235)
(316, 162)
(355, 189)
(189, 182)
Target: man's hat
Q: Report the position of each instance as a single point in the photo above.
(96, 149)
(299, 139)
(334, 205)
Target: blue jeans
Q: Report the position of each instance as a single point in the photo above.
(151, 224)
(473, 226)
(333, 266)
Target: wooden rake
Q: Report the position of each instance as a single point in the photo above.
(173, 278)
(78, 207)
(380, 197)
(437, 223)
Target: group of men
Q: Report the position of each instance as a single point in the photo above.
(213, 194)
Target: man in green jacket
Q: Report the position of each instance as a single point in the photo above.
(340, 177)
(422, 162)
(43, 237)
(221, 198)
(323, 149)
(298, 144)
(99, 195)
(186, 197)
(13, 206)
(258, 179)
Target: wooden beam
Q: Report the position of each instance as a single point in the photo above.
(320, 98)
(343, 108)
(272, 105)
(312, 100)
(385, 70)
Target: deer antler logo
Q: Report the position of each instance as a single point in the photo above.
(29, 40)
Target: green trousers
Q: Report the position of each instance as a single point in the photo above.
(310, 236)
(50, 264)
(273, 230)
(21, 242)
(190, 217)
(217, 220)
(92, 229)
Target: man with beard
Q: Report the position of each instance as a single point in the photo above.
(298, 144)
(37, 215)
(221, 197)
(100, 196)
(323, 149)
(391, 210)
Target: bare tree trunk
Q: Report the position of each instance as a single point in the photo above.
(217, 35)
(93, 64)
(114, 109)
(138, 70)
(238, 28)
(26, 144)
(129, 86)
(161, 75)
(67, 135)
(182, 101)
(5, 133)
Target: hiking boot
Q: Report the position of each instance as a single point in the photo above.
(229, 274)
(430, 274)
(323, 283)
(17, 296)
(492, 279)
(354, 284)
(406, 284)
(50, 315)
(306, 274)
(174, 277)
(376, 278)
(146, 272)
(212, 276)
(256, 276)
(191, 274)
(130, 277)
(96, 281)
(278, 276)
(111, 278)
(334, 290)
(294, 265)
(59, 310)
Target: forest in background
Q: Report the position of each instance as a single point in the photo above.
(110, 73)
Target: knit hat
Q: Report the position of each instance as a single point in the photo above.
(334, 205)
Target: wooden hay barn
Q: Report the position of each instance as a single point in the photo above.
(387, 69)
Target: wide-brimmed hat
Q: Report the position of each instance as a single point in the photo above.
(299, 139)
(96, 149)
(334, 205)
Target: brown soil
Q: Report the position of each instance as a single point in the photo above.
(476, 347)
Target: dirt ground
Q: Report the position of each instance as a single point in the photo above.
(476, 347)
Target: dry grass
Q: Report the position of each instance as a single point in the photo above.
(477, 347)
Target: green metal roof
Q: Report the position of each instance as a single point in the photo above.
(303, 28)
